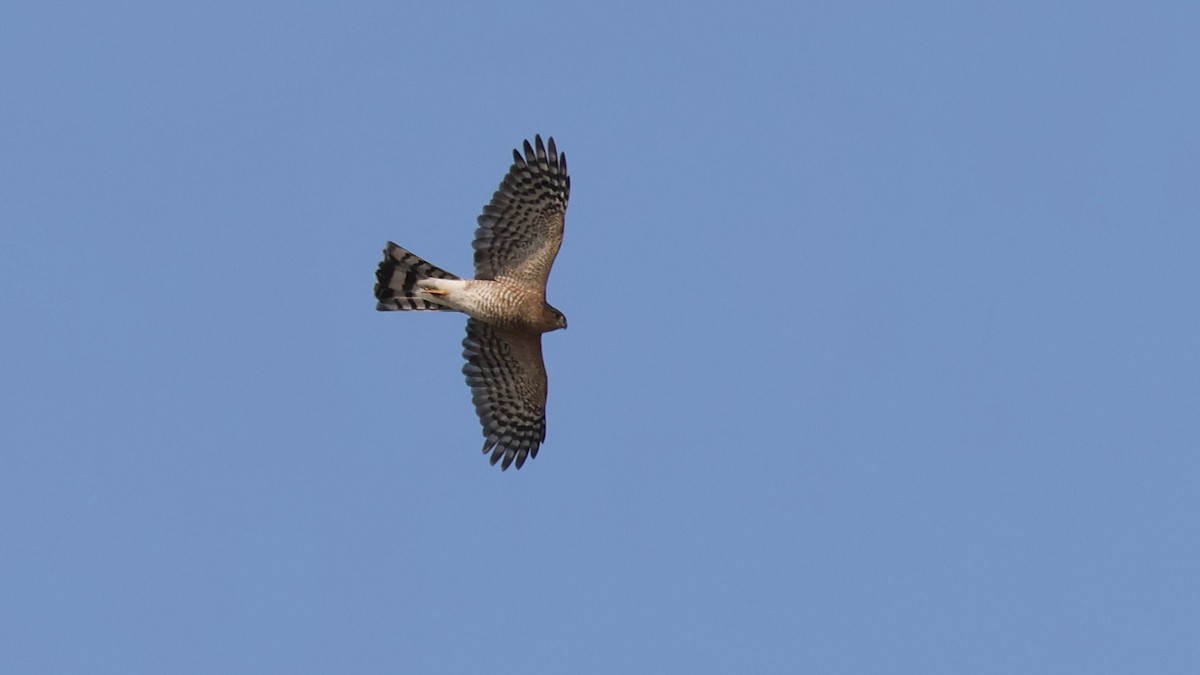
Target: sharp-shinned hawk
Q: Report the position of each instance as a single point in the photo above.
(518, 236)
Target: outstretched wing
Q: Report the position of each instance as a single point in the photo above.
(521, 230)
(508, 386)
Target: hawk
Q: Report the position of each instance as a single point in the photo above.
(519, 234)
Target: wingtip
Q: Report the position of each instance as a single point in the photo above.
(540, 152)
(506, 456)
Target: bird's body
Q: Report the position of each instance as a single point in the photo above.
(498, 302)
(519, 234)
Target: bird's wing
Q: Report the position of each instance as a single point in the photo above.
(521, 230)
(508, 386)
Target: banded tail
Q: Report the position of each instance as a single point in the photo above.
(397, 277)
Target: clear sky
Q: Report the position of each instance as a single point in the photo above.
(884, 345)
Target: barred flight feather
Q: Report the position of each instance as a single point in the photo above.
(397, 277)
(509, 399)
(521, 229)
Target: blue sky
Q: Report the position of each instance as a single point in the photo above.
(882, 358)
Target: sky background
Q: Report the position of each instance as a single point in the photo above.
(883, 352)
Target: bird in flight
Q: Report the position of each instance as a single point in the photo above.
(519, 234)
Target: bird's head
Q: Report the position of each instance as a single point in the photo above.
(560, 320)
